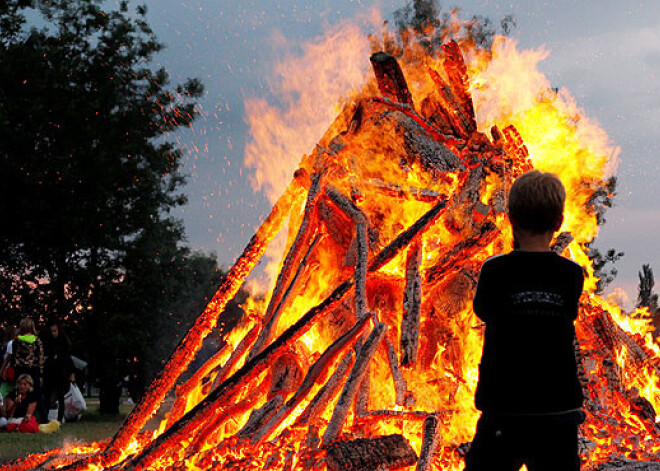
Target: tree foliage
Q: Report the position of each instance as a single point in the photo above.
(645, 295)
(602, 199)
(603, 265)
(84, 165)
(88, 177)
(425, 24)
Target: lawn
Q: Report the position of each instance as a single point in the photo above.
(92, 427)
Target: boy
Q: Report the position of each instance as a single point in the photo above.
(528, 389)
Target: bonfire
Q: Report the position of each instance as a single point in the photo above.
(364, 354)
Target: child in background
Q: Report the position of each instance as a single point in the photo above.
(528, 389)
(21, 404)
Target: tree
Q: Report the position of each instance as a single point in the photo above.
(162, 289)
(645, 295)
(83, 163)
(423, 23)
(603, 266)
(88, 177)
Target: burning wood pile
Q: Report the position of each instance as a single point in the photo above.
(365, 354)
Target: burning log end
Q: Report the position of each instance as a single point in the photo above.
(498, 138)
(480, 211)
(432, 110)
(391, 81)
(286, 376)
(371, 454)
(303, 178)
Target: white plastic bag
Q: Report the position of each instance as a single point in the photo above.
(74, 404)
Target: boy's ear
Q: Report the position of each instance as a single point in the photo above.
(559, 223)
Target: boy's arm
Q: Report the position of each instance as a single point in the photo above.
(579, 286)
(482, 296)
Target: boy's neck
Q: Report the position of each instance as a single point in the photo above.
(532, 242)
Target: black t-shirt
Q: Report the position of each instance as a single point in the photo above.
(528, 301)
(22, 407)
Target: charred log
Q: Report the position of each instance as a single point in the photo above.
(261, 416)
(403, 396)
(370, 454)
(327, 392)
(433, 131)
(317, 371)
(454, 66)
(361, 270)
(185, 351)
(239, 352)
(408, 192)
(412, 305)
(462, 252)
(302, 238)
(627, 465)
(460, 121)
(430, 441)
(354, 379)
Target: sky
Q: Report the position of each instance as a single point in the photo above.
(605, 52)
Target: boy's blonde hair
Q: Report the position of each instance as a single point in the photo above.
(536, 202)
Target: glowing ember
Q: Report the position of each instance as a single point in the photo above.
(368, 341)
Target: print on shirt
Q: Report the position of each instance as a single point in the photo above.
(543, 297)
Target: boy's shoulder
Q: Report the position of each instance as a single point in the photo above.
(518, 256)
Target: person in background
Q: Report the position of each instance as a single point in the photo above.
(58, 369)
(21, 404)
(7, 373)
(3, 414)
(27, 356)
(8, 333)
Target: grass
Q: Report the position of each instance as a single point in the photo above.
(92, 427)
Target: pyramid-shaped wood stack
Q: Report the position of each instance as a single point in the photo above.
(389, 220)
